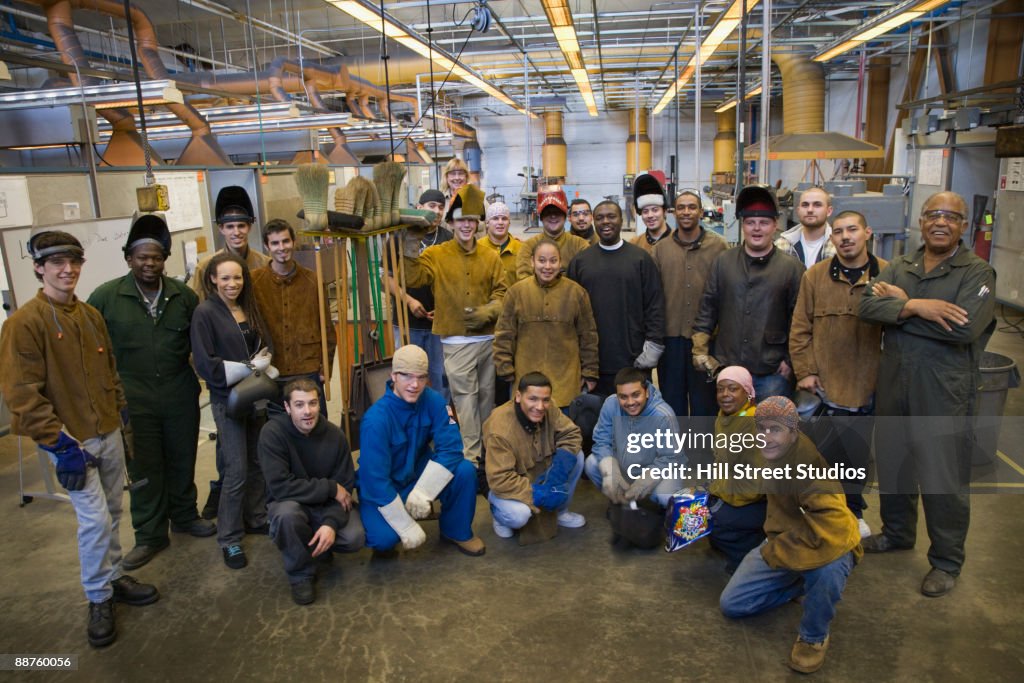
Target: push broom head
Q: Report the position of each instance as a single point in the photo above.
(312, 181)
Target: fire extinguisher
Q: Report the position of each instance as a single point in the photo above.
(983, 236)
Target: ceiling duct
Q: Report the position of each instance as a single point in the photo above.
(203, 148)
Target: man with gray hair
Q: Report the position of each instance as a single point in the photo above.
(937, 311)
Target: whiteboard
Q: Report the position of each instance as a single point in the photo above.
(103, 239)
(15, 207)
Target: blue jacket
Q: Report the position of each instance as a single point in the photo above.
(395, 447)
(614, 427)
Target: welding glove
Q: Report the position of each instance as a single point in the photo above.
(410, 533)
(613, 485)
(481, 316)
(428, 487)
(235, 372)
(650, 355)
(72, 461)
(641, 487)
(702, 359)
(261, 361)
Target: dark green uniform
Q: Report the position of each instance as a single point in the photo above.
(927, 371)
(163, 400)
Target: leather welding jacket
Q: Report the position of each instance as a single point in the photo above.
(750, 302)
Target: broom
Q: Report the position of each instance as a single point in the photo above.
(387, 176)
(365, 197)
(345, 200)
(312, 181)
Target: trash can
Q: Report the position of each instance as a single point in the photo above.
(999, 374)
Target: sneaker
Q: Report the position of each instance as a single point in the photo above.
(474, 547)
(807, 657)
(140, 555)
(101, 629)
(212, 503)
(198, 527)
(303, 592)
(131, 592)
(937, 583)
(880, 543)
(865, 530)
(502, 531)
(234, 556)
(571, 520)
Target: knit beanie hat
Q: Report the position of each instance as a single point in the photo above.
(777, 409)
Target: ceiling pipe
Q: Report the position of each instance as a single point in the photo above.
(125, 147)
(203, 148)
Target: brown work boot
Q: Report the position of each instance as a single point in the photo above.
(807, 657)
(474, 547)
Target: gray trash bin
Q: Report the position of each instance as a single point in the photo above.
(999, 374)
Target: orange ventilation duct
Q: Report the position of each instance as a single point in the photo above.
(553, 151)
(637, 138)
(725, 143)
(803, 93)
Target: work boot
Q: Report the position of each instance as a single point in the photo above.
(212, 502)
(140, 555)
(880, 543)
(937, 583)
(198, 527)
(102, 631)
(131, 592)
(807, 657)
(303, 592)
(474, 547)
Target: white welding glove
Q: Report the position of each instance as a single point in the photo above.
(411, 533)
(261, 361)
(650, 356)
(235, 372)
(641, 487)
(613, 484)
(429, 486)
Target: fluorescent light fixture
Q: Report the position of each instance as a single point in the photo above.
(730, 103)
(108, 96)
(726, 24)
(880, 25)
(311, 122)
(214, 115)
(370, 14)
(560, 17)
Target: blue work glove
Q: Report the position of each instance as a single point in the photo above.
(72, 460)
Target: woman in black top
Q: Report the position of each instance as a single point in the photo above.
(227, 333)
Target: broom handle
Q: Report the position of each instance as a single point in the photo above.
(384, 281)
(401, 311)
(323, 317)
(402, 284)
(341, 267)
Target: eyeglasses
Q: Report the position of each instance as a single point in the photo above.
(62, 262)
(938, 214)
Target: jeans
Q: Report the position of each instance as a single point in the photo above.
(735, 531)
(683, 386)
(243, 496)
(515, 514)
(772, 385)
(661, 494)
(292, 525)
(756, 588)
(431, 343)
(98, 508)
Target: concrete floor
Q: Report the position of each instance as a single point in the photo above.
(572, 609)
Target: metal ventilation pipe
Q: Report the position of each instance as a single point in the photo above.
(725, 143)
(203, 149)
(638, 145)
(125, 147)
(553, 151)
(803, 92)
